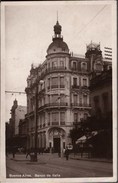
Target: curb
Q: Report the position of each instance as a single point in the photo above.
(91, 160)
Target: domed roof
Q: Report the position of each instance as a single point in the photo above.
(57, 28)
(58, 45)
(93, 46)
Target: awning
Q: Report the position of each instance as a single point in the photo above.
(84, 138)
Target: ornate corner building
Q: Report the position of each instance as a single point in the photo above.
(58, 94)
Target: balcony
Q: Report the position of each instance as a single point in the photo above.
(85, 87)
(62, 122)
(54, 86)
(75, 86)
(80, 105)
(56, 104)
(53, 69)
(55, 123)
(51, 105)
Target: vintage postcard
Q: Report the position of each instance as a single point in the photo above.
(58, 91)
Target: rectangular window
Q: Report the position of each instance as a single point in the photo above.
(55, 98)
(75, 99)
(75, 81)
(48, 85)
(62, 63)
(76, 117)
(54, 64)
(74, 66)
(54, 82)
(62, 98)
(48, 99)
(61, 82)
(48, 118)
(85, 100)
(84, 82)
(62, 118)
(55, 118)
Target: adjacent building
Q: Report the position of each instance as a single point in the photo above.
(17, 112)
(58, 94)
(101, 93)
(101, 103)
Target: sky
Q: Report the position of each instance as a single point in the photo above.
(29, 31)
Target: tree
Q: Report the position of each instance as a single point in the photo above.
(76, 133)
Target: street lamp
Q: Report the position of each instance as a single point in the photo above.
(87, 134)
(36, 117)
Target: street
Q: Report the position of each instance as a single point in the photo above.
(51, 166)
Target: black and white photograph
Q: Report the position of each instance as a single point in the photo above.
(58, 86)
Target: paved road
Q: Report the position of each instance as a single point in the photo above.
(52, 166)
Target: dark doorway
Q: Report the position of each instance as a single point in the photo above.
(56, 144)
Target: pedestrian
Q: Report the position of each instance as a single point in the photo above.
(28, 153)
(59, 153)
(13, 152)
(67, 153)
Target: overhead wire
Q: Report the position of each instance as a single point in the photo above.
(91, 21)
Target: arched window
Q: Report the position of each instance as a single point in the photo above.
(98, 66)
(85, 116)
(84, 66)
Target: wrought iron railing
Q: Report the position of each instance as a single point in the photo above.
(80, 105)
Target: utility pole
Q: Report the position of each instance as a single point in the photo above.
(36, 120)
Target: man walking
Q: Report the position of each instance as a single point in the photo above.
(67, 153)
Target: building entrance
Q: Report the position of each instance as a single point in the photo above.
(56, 142)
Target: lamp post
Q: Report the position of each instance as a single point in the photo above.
(87, 134)
(36, 118)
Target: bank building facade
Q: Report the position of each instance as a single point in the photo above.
(58, 95)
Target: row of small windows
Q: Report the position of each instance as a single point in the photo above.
(54, 98)
(56, 82)
(56, 64)
(84, 81)
(53, 118)
(83, 66)
(77, 117)
(56, 118)
(97, 66)
(77, 100)
(60, 82)
(61, 62)
(80, 99)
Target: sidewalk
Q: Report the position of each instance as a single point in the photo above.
(46, 156)
(22, 158)
(85, 158)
